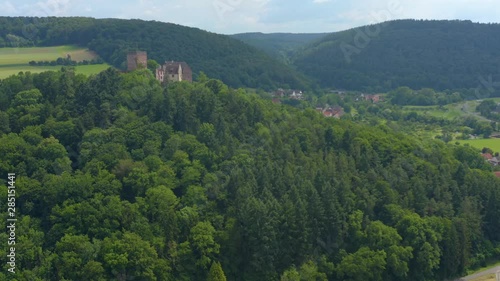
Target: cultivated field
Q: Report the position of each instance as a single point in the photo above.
(15, 60)
(493, 144)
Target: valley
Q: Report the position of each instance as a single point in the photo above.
(278, 160)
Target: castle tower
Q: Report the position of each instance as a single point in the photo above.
(137, 59)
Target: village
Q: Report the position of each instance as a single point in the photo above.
(328, 111)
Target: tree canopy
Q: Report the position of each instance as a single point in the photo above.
(120, 178)
(415, 53)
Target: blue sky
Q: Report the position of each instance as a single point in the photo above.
(235, 16)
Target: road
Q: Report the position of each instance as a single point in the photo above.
(480, 274)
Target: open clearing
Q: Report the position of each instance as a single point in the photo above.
(493, 144)
(15, 60)
(451, 111)
(82, 69)
(17, 56)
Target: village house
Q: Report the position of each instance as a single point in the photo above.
(487, 156)
(335, 111)
(493, 160)
(291, 94)
(373, 98)
(296, 95)
(338, 92)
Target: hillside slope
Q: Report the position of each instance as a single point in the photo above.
(118, 178)
(279, 45)
(436, 54)
(220, 56)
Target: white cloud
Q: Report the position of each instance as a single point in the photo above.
(54, 7)
(233, 16)
(8, 8)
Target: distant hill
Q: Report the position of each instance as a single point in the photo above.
(279, 45)
(220, 56)
(436, 54)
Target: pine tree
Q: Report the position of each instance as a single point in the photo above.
(216, 273)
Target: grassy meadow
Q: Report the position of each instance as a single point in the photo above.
(15, 60)
(492, 143)
(450, 111)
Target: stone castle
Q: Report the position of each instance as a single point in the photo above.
(137, 60)
(174, 71)
(170, 71)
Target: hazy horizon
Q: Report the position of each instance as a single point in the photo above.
(266, 16)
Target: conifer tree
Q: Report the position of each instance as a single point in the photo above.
(216, 273)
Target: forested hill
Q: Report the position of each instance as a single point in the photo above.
(118, 178)
(435, 54)
(220, 56)
(279, 45)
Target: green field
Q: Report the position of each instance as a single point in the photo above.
(450, 111)
(493, 144)
(83, 69)
(15, 60)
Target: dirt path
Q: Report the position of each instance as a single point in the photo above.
(468, 108)
(480, 274)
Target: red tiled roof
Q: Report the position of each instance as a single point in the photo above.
(487, 156)
(328, 113)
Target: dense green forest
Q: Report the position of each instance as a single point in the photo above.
(419, 54)
(442, 55)
(119, 178)
(279, 45)
(225, 58)
(489, 109)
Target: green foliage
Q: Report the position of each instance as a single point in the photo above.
(437, 54)
(423, 97)
(279, 45)
(216, 273)
(120, 178)
(489, 109)
(363, 264)
(153, 65)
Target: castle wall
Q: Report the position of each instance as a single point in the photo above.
(137, 60)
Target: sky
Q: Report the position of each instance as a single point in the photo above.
(238, 16)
